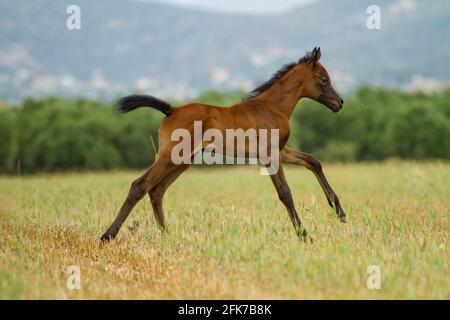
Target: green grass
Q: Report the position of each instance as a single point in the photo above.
(229, 236)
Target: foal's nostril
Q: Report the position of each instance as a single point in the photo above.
(342, 101)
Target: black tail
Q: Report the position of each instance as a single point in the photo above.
(129, 103)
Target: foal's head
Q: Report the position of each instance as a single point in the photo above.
(317, 85)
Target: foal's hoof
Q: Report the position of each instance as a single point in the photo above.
(306, 238)
(106, 237)
(341, 214)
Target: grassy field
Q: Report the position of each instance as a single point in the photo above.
(229, 237)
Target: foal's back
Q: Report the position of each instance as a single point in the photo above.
(255, 114)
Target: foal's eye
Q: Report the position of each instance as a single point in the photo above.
(323, 80)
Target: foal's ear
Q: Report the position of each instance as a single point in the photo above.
(316, 55)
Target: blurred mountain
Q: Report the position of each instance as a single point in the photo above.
(174, 52)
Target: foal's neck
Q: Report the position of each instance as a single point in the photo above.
(287, 91)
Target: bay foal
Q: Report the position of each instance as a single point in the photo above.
(267, 107)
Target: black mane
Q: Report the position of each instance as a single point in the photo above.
(276, 76)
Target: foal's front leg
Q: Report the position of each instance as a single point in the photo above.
(285, 196)
(289, 155)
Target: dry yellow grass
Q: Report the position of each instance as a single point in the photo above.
(229, 237)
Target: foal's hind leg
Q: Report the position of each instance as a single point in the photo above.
(139, 188)
(157, 193)
(307, 160)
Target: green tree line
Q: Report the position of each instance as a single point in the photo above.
(55, 134)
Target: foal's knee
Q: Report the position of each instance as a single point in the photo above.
(137, 190)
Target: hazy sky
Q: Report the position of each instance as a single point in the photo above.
(241, 6)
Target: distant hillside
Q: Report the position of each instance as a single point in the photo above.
(176, 52)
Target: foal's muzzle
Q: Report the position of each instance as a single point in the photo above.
(340, 105)
(333, 104)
